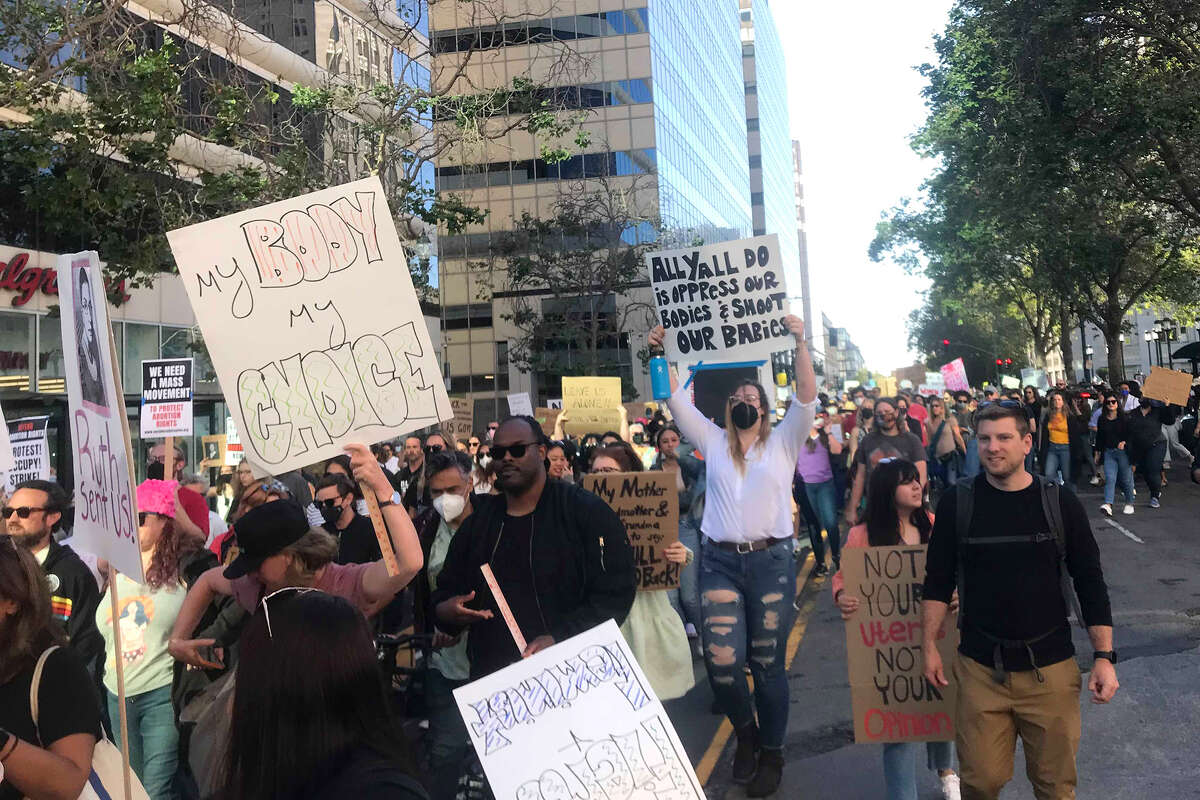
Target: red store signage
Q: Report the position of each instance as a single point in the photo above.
(17, 276)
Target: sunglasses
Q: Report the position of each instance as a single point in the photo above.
(499, 451)
(605, 470)
(267, 610)
(145, 515)
(493, 427)
(430, 449)
(21, 511)
(1106, 402)
(474, 443)
(330, 503)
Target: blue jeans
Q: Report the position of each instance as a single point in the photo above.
(449, 743)
(823, 498)
(1116, 469)
(153, 739)
(686, 599)
(746, 600)
(900, 765)
(1058, 459)
(971, 460)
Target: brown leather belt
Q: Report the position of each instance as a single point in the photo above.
(746, 547)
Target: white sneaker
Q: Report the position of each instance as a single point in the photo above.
(1095, 481)
(1106, 508)
(950, 787)
(1128, 508)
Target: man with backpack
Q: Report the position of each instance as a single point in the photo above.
(1021, 554)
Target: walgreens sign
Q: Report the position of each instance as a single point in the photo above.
(16, 275)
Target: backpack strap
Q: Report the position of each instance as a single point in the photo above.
(35, 686)
(964, 500)
(1052, 507)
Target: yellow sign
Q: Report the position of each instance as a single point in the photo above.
(591, 404)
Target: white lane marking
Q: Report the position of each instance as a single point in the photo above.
(1124, 530)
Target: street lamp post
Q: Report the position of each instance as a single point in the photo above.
(1149, 352)
(1087, 363)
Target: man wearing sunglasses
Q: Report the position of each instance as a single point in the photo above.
(355, 533)
(559, 554)
(32, 515)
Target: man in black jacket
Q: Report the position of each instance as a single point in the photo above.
(33, 513)
(559, 554)
(1147, 444)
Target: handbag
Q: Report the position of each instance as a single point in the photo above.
(108, 765)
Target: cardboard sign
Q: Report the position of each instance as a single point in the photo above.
(546, 417)
(214, 451)
(591, 404)
(105, 500)
(578, 719)
(892, 700)
(166, 398)
(722, 302)
(1168, 385)
(312, 323)
(463, 424)
(648, 504)
(954, 376)
(520, 405)
(1010, 382)
(26, 452)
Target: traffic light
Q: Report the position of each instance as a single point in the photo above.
(999, 362)
(1008, 362)
(945, 347)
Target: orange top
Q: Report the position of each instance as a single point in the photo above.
(1057, 426)
(857, 538)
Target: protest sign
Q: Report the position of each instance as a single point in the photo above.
(935, 381)
(546, 417)
(28, 454)
(1010, 382)
(591, 404)
(954, 376)
(1034, 377)
(892, 701)
(7, 460)
(214, 451)
(555, 403)
(520, 405)
(233, 444)
(648, 505)
(722, 302)
(1168, 385)
(463, 424)
(926, 391)
(105, 502)
(166, 398)
(312, 323)
(578, 719)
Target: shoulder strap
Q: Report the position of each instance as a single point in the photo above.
(964, 499)
(36, 684)
(1052, 508)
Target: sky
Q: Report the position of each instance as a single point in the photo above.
(855, 100)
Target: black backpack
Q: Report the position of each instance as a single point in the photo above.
(964, 495)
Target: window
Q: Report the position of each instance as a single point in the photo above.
(16, 343)
(475, 315)
(751, 88)
(567, 28)
(51, 376)
(141, 344)
(752, 124)
(756, 198)
(755, 162)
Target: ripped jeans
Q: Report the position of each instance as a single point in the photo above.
(746, 602)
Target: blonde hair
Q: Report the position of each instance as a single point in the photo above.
(731, 430)
(309, 553)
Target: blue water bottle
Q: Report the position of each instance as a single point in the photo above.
(660, 381)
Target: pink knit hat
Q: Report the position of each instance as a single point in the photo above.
(157, 497)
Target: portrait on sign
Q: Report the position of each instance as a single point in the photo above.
(88, 343)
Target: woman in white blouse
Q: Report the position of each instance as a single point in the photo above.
(747, 572)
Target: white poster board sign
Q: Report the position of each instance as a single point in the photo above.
(166, 398)
(233, 444)
(576, 720)
(6, 454)
(312, 323)
(519, 404)
(722, 302)
(28, 452)
(105, 501)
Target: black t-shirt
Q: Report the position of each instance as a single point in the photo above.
(67, 704)
(512, 565)
(1012, 589)
(357, 543)
(370, 776)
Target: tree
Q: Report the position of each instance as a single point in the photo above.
(575, 281)
(978, 325)
(131, 129)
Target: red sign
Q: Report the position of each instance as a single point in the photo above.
(17, 276)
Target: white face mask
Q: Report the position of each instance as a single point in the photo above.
(858, 401)
(484, 461)
(449, 505)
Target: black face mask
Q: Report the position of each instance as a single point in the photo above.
(330, 515)
(866, 413)
(744, 415)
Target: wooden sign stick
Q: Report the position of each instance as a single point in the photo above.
(381, 533)
(169, 459)
(502, 604)
(118, 658)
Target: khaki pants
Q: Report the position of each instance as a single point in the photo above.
(991, 715)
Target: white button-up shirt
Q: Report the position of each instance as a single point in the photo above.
(755, 504)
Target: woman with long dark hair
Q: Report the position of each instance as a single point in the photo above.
(747, 570)
(310, 716)
(147, 612)
(54, 757)
(1059, 424)
(897, 515)
(1112, 435)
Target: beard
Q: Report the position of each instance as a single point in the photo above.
(27, 540)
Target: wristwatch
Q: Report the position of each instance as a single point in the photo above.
(394, 500)
(1107, 655)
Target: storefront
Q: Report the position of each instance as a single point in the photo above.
(155, 321)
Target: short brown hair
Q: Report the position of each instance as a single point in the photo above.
(996, 412)
(312, 551)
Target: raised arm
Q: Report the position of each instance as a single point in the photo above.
(797, 422)
(692, 424)
(378, 585)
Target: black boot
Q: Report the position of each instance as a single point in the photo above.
(745, 757)
(770, 771)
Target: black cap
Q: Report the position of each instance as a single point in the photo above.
(264, 531)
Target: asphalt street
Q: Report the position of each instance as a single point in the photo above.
(1142, 745)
